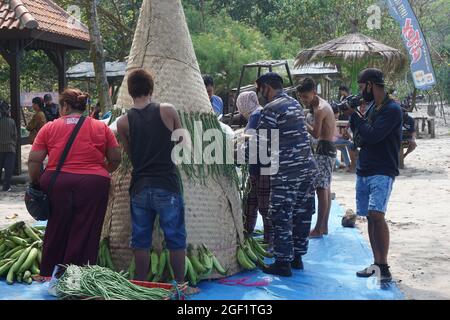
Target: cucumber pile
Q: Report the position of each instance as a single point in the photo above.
(20, 252)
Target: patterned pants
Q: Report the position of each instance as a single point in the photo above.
(292, 204)
(325, 166)
(258, 200)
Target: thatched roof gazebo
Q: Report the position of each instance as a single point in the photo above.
(354, 52)
(36, 25)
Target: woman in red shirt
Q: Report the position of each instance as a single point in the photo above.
(80, 195)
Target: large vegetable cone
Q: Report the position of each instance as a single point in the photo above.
(162, 45)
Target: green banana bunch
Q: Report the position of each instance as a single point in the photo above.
(215, 262)
(161, 266)
(198, 266)
(206, 261)
(244, 260)
(104, 255)
(248, 250)
(258, 248)
(186, 265)
(169, 265)
(218, 266)
(191, 274)
(154, 259)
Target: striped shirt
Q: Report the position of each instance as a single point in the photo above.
(8, 134)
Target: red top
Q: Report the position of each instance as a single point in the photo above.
(88, 152)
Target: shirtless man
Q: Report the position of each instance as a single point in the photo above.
(323, 130)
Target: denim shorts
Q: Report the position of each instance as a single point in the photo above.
(169, 206)
(345, 142)
(372, 194)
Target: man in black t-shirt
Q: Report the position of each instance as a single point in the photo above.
(378, 134)
(146, 134)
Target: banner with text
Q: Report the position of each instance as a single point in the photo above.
(421, 64)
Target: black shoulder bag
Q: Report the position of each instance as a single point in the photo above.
(37, 201)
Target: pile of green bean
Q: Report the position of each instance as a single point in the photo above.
(201, 172)
(94, 282)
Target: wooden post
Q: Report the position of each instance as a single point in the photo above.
(15, 54)
(58, 57)
(62, 80)
(289, 74)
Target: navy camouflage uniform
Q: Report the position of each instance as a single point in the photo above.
(292, 199)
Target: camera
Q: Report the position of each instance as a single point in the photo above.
(351, 102)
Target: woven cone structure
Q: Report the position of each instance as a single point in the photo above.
(163, 46)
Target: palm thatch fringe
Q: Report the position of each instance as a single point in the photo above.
(353, 48)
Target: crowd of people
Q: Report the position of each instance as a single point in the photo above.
(305, 160)
(370, 145)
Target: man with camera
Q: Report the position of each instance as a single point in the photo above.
(378, 133)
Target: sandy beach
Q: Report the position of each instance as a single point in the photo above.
(418, 216)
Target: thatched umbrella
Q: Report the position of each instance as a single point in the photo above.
(354, 52)
(162, 45)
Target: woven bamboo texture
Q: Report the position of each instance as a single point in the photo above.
(162, 45)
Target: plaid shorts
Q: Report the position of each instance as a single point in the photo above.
(258, 200)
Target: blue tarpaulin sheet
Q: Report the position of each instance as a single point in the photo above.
(329, 274)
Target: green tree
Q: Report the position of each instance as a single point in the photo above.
(222, 51)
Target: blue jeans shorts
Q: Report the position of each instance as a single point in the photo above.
(372, 194)
(148, 204)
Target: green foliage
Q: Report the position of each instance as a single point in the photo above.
(229, 33)
(225, 48)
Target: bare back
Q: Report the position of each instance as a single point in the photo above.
(324, 120)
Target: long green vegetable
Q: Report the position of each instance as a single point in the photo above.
(198, 173)
(93, 282)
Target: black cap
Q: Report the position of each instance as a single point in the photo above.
(269, 78)
(48, 97)
(371, 74)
